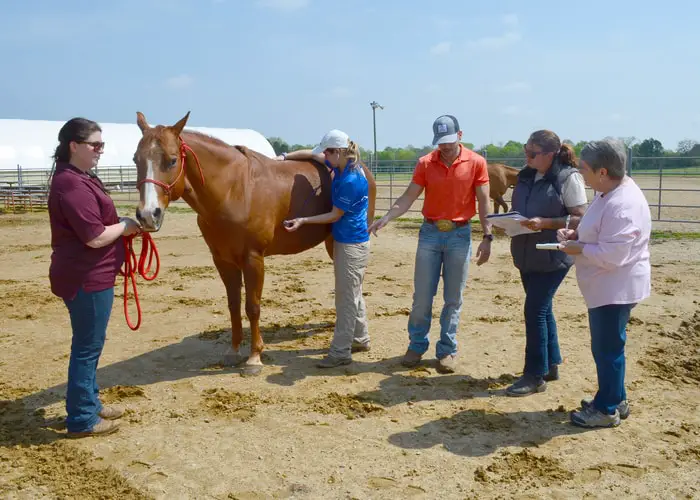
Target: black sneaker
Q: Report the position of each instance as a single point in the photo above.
(526, 385)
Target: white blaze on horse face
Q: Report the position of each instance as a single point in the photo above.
(150, 196)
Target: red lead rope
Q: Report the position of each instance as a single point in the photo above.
(131, 267)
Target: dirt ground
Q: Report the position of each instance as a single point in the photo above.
(372, 429)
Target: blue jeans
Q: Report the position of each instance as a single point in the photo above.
(89, 315)
(608, 336)
(542, 342)
(439, 252)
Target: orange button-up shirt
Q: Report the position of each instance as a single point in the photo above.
(450, 191)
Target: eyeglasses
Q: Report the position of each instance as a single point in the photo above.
(97, 146)
(330, 151)
(533, 154)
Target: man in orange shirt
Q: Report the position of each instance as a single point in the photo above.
(453, 177)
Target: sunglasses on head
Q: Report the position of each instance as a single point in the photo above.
(97, 146)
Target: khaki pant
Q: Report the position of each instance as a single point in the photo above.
(349, 262)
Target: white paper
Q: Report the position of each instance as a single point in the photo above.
(510, 222)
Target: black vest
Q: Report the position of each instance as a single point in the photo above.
(540, 199)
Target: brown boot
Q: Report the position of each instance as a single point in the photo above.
(411, 359)
(447, 364)
(101, 428)
(112, 412)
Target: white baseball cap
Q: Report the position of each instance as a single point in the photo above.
(335, 139)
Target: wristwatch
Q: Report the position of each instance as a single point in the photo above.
(488, 237)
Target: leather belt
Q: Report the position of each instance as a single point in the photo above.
(446, 224)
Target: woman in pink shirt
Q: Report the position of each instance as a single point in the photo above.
(611, 249)
(86, 239)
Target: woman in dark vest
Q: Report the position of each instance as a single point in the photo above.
(551, 193)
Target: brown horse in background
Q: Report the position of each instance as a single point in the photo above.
(501, 177)
(241, 198)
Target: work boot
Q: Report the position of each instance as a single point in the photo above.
(447, 364)
(411, 359)
(101, 428)
(112, 412)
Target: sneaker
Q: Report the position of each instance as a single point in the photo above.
(111, 412)
(526, 385)
(359, 347)
(590, 416)
(332, 362)
(553, 373)
(411, 359)
(101, 428)
(623, 407)
(447, 364)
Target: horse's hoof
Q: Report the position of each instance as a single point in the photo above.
(252, 370)
(231, 359)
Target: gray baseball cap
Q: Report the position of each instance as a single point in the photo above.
(445, 130)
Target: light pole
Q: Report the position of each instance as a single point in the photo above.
(375, 105)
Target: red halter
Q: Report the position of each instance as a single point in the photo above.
(184, 148)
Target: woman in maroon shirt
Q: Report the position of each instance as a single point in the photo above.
(86, 238)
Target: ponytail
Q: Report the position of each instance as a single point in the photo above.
(567, 155)
(352, 152)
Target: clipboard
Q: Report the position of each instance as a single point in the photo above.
(510, 223)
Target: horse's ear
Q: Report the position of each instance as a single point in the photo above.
(177, 128)
(141, 121)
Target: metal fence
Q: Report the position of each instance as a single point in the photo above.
(671, 184)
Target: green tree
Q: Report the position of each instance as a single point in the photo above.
(685, 146)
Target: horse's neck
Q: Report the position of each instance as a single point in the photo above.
(220, 173)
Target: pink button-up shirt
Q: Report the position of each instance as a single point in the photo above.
(614, 267)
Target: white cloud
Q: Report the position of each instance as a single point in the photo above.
(515, 87)
(495, 42)
(179, 81)
(285, 5)
(510, 19)
(441, 48)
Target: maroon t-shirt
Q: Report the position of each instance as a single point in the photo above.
(79, 210)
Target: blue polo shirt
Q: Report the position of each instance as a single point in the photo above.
(350, 194)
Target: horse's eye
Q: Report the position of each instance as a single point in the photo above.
(173, 162)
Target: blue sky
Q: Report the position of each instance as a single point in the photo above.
(296, 68)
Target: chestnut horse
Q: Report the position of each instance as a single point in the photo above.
(241, 198)
(501, 177)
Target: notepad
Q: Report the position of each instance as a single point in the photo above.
(510, 222)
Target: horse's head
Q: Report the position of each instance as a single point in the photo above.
(160, 170)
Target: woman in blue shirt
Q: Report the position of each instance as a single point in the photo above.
(351, 246)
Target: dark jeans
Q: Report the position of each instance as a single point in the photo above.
(89, 315)
(608, 336)
(542, 343)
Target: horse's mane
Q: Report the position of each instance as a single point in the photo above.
(208, 138)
